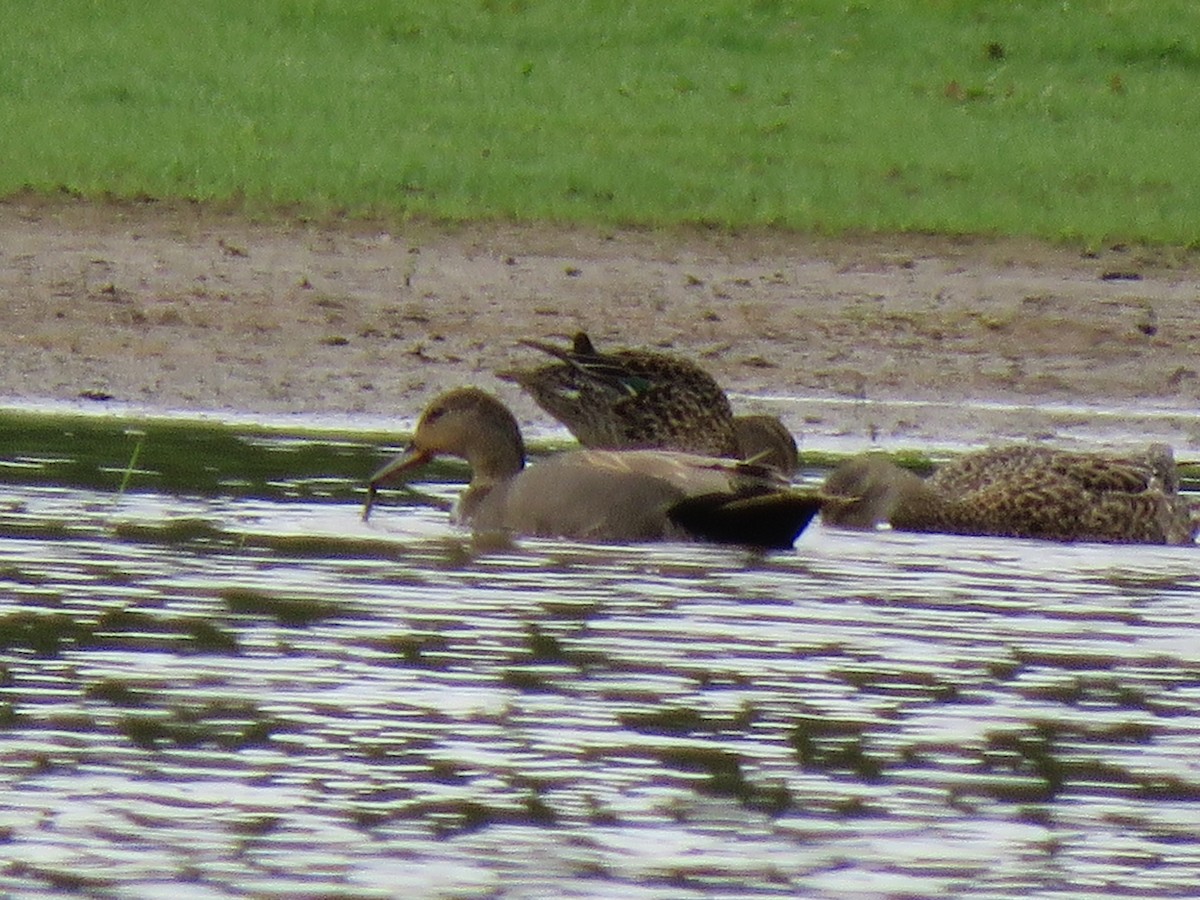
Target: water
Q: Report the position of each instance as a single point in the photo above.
(223, 683)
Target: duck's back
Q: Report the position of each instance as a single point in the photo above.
(1097, 472)
(1040, 492)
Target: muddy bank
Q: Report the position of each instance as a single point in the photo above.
(903, 339)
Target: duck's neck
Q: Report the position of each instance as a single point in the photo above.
(911, 502)
(501, 455)
(492, 464)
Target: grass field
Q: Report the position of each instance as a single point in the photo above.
(1074, 120)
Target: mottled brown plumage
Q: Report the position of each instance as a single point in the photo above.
(597, 495)
(1019, 491)
(644, 399)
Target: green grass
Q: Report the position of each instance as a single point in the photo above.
(1062, 120)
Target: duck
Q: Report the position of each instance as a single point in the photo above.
(765, 439)
(605, 496)
(1019, 490)
(644, 399)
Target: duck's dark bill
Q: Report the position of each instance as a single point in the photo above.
(410, 459)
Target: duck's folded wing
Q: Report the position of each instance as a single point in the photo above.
(691, 473)
(632, 496)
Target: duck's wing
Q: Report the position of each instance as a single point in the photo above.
(606, 371)
(1098, 472)
(631, 399)
(1082, 499)
(648, 496)
(981, 468)
(689, 473)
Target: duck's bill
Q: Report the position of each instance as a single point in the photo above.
(411, 458)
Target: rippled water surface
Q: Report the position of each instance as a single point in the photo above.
(221, 682)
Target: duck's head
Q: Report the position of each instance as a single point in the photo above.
(767, 440)
(864, 491)
(464, 422)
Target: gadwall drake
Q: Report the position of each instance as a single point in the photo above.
(644, 399)
(1019, 491)
(598, 495)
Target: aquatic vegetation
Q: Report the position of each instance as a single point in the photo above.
(18, 575)
(427, 651)
(667, 721)
(543, 647)
(46, 634)
(825, 744)
(186, 530)
(9, 715)
(723, 777)
(527, 680)
(118, 692)
(296, 612)
(223, 725)
(205, 637)
(306, 546)
(96, 452)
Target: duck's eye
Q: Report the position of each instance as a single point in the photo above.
(433, 414)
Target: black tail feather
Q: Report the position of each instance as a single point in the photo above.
(771, 521)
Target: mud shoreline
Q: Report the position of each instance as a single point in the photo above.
(853, 341)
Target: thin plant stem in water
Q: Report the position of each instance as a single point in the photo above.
(132, 464)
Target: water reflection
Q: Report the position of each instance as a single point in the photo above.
(253, 692)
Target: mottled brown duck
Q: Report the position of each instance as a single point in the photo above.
(1019, 491)
(598, 495)
(644, 399)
